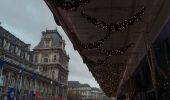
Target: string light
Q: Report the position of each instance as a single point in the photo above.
(110, 76)
(115, 51)
(102, 62)
(115, 75)
(114, 27)
(72, 5)
(109, 53)
(96, 44)
(109, 27)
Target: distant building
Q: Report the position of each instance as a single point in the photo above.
(86, 92)
(18, 77)
(96, 94)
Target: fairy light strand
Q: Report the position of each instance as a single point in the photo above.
(72, 5)
(115, 51)
(112, 26)
(96, 44)
(109, 28)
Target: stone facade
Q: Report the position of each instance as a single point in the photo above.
(85, 92)
(18, 74)
(50, 58)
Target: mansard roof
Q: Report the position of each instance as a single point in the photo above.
(77, 84)
(73, 84)
(54, 36)
(85, 85)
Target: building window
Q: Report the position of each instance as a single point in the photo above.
(53, 73)
(1, 42)
(36, 58)
(47, 43)
(18, 52)
(45, 60)
(55, 57)
(11, 48)
(6, 45)
(22, 54)
(28, 57)
(16, 49)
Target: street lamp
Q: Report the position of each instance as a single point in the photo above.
(62, 95)
(51, 82)
(52, 89)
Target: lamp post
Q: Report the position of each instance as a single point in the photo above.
(52, 90)
(52, 85)
(20, 87)
(62, 95)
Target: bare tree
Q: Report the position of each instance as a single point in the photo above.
(73, 95)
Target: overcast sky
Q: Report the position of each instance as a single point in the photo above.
(27, 18)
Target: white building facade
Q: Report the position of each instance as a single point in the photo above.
(86, 92)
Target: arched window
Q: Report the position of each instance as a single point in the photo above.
(53, 73)
(45, 60)
(55, 57)
(11, 48)
(6, 45)
(36, 58)
(1, 42)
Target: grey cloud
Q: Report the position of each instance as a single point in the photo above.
(27, 18)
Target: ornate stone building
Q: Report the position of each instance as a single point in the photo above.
(50, 58)
(19, 79)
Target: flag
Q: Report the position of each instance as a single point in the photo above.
(58, 98)
(11, 94)
(2, 63)
(50, 98)
(62, 98)
(34, 76)
(37, 95)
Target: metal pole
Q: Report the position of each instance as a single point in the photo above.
(7, 84)
(3, 83)
(20, 86)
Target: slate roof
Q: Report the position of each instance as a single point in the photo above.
(73, 84)
(54, 36)
(77, 84)
(95, 89)
(14, 40)
(84, 85)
